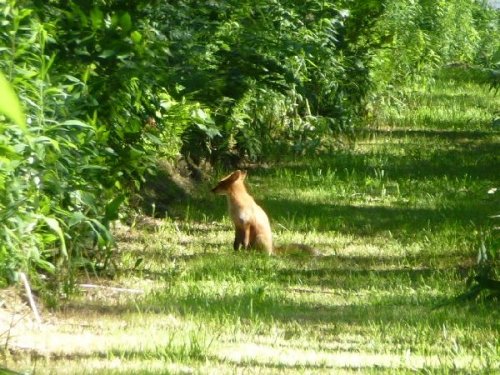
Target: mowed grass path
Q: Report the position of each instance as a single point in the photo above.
(399, 219)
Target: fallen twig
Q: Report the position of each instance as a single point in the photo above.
(114, 289)
(307, 290)
(31, 301)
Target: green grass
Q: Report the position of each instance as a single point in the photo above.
(399, 219)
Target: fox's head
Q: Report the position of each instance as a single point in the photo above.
(225, 184)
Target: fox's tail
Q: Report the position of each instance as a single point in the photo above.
(297, 249)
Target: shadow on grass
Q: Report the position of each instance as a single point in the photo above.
(439, 134)
(258, 304)
(344, 291)
(255, 288)
(370, 220)
(361, 220)
(201, 356)
(478, 159)
(459, 125)
(471, 160)
(197, 353)
(461, 73)
(463, 207)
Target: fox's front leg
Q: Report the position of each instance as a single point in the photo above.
(246, 237)
(239, 238)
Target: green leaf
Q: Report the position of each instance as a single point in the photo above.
(9, 103)
(104, 237)
(110, 151)
(75, 123)
(46, 140)
(154, 139)
(136, 36)
(45, 265)
(138, 262)
(107, 53)
(97, 18)
(53, 224)
(94, 167)
(126, 21)
(113, 207)
(76, 218)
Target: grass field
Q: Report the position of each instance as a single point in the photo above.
(399, 219)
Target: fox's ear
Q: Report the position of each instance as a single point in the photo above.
(229, 179)
(237, 175)
(234, 176)
(224, 184)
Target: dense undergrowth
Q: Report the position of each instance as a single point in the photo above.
(108, 87)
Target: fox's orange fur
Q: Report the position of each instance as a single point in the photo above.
(251, 223)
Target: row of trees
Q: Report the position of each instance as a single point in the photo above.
(108, 86)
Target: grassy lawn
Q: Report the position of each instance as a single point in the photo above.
(399, 219)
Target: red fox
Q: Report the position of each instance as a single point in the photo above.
(251, 223)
